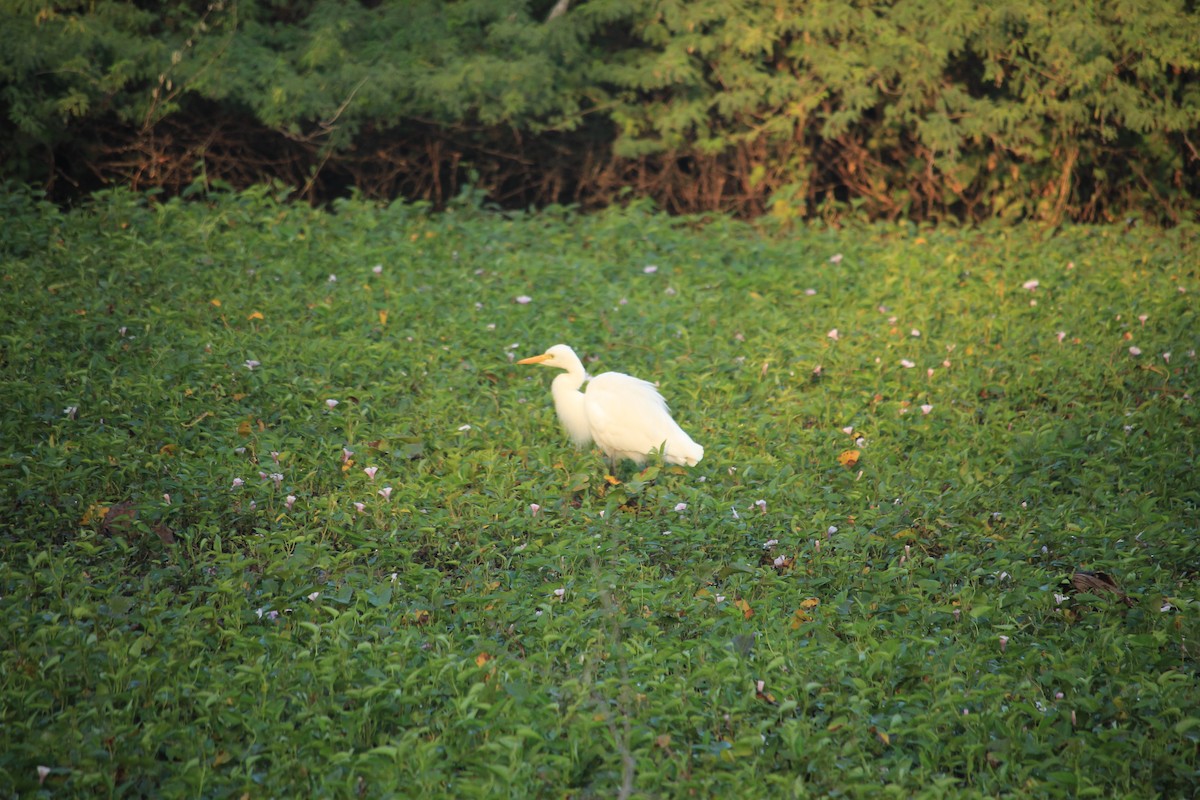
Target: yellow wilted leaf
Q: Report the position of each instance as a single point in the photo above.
(383, 317)
(613, 481)
(215, 302)
(482, 659)
(849, 458)
(811, 602)
(167, 450)
(747, 611)
(244, 428)
(221, 758)
(255, 315)
(799, 617)
(93, 513)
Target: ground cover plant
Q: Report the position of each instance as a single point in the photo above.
(281, 517)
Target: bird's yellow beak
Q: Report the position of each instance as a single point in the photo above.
(535, 359)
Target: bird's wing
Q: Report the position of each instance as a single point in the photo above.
(629, 418)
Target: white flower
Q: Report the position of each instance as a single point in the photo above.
(251, 363)
(833, 334)
(916, 333)
(331, 403)
(332, 278)
(523, 299)
(681, 506)
(926, 408)
(314, 596)
(464, 427)
(836, 258)
(831, 530)
(71, 412)
(762, 505)
(650, 269)
(377, 269)
(560, 593)
(1135, 351)
(290, 501)
(1030, 285)
(769, 543)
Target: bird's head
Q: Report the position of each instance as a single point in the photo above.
(559, 356)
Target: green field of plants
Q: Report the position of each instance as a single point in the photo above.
(280, 516)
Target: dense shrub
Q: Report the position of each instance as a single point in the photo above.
(919, 108)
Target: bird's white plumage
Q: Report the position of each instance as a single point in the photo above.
(626, 417)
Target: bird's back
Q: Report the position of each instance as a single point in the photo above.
(629, 418)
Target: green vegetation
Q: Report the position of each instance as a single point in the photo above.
(888, 109)
(193, 605)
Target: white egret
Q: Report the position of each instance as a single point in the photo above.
(625, 416)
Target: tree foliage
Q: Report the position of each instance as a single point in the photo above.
(1043, 109)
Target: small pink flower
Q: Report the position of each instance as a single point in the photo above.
(331, 403)
(833, 334)
(1143, 317)
(377, 269)
(1166, 357)
(957, 614)
(1030, 285)
(929, 372)
(848, 430)
(237, 482)
(275, 456)
(904, 362)
(1135, 351)
(1058, 695)
(385, 492)
(762, 505)
(946, 363)
(681, 506)
(1003, 642)
(650, 269)
(810, 292)
(560, 593)
(251, 363)
(278, 478)
(926, 408)
(1061, 335)
(831, 530)
(371, 472)
(167, 498)
(360, 508)
(524, 299)
(43, 773)
(836, 258)
(534, 508)
(290, 501)
(916, 334)
(332, 278)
